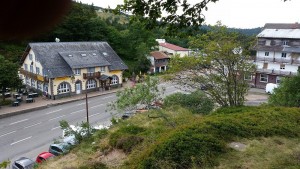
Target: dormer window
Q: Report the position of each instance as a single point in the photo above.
(104, 53)
(83, 54)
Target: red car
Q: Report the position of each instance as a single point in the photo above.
(43, 157)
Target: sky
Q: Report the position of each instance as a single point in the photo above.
(238, 13)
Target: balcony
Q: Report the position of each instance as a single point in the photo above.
(91, 75)
(265, 59)
(296, 61)
(33, 76)
(276, 72)
(283, 60)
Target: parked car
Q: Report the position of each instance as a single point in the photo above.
(23, 163)
(59, 149)
(43, 157)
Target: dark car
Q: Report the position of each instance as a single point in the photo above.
(60, 148)
(23, 163)
(43, 157)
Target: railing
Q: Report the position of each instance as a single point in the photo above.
(276, 72)
(91, 75)
(33, 75)
(295, 61)
(265, 59)
(283, 60)
(271, 59)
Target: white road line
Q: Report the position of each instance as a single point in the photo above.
(77, 111)
(20, 140)
(55, 128)
(57, 117)
(7, 133)
(82, 103)
(18, 121)
(32, 125)
(94, 114)
(107, 97)
(54, 111)
(96, 106)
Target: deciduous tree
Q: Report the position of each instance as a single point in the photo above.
(219, 65)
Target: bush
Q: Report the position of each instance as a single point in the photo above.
(128, 143)
(196, 102)
(6, 102)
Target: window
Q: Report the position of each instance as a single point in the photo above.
(90, 69)
(33, 83)
(102, 68)
(115, 80)
(283, 55)
(278, 79)
(91, 84)
(248, 76)
(26, 67)
(268, 42)
(265, 66)
(30, 56)
(282, 66)
(63, 88)
(37, 70)
(263, 78)
(27, 81)
(77, 72)
(39, 85)
(45, 73)
(31, 68)
(284, 42)
(266, 53)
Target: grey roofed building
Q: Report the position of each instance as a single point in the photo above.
(55, 57)
(282, 26)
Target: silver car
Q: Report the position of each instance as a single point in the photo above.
(23, 163)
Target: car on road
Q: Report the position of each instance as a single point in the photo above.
(43, 157)
(59, 149)
(23, 163)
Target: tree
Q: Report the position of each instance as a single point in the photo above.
(288, 93)
(142, 94)
(219, 65)
(8, 75)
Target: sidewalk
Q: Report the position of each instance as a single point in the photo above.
(41, 103)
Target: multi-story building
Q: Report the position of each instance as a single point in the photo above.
(159, 61)
(171, 49)
(65, 68)
(278, 53)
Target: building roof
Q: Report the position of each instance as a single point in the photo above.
(282, 26)
(173, 47)
(280, 33)
(55, 59)
(159, 55)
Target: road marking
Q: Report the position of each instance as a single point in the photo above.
(20, 140)
(82, 103)
(7, 133)
(32, 125)
(54, 111)
(57, 117)
(96, 106)
(77, 111)
(55, 128)
(107, 97)
(18, 121)
(94, 114)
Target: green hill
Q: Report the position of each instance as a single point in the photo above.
(176, 138)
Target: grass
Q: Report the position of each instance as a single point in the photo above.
(176, 138)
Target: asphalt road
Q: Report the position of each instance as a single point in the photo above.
(31, 133)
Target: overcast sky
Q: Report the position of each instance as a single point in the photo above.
(238, 13)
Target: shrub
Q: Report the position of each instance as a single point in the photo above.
(196, 102)
(129, 142)
(6, 102)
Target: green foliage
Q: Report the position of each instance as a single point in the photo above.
(8, 75)
(142, 94)
(6, 102)
(93, 165)
(4, 164)
(196, 102)
(81, 132)
(288, 93)
(201, 142)
(220, 63)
